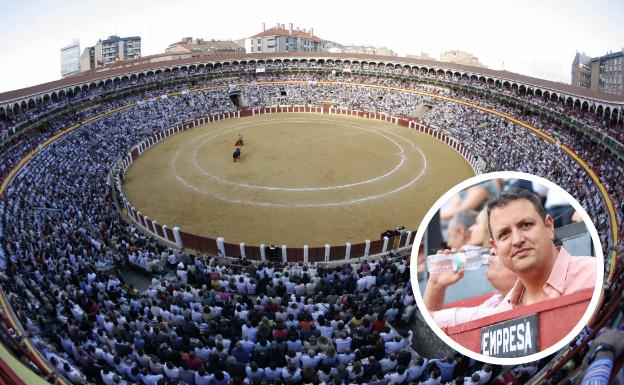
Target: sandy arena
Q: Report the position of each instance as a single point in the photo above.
(302, 179)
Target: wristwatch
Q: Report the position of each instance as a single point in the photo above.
(600, 348)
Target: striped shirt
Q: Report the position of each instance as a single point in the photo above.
(598, 372)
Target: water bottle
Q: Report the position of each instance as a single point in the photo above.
(470, 259)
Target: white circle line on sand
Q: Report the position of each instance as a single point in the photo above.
(271, 204)
(339, 203)
(299, 189)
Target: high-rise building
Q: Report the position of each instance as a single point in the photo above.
(461, 57)
(607, 73)
(603, 73)
(70, 59)
(280, 39)
(110, 51)
(581, 70)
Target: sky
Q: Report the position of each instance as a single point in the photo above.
(535, 38)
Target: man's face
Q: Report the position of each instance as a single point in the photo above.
(521, 239)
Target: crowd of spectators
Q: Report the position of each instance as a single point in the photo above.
(585, 114)
(214, 323)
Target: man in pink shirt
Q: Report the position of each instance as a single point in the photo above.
(523, 238)
(527, 268)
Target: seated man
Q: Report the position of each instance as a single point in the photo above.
(523, 241)
(523, 238)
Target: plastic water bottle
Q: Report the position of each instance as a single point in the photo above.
(468, 260)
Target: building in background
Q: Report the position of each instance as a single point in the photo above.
(110, 51)
(87, 59)
(70, 59)
(201, 47)
(280, 39)
(603, 73)
(606, 73)
(461, 57)
(581, 70)
(368, 49)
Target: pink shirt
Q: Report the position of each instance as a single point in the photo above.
(457, 315)
(569, 274)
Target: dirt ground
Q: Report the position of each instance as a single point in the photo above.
(302, 179)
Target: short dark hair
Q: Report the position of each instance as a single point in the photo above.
(504, 198)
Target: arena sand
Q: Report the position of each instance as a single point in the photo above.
(302, 179)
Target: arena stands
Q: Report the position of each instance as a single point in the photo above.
(203, 321)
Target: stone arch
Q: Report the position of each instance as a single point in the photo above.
(107, 82)
(46, 98)
(538, 92)
(506, 84)
(522, 89)
(125, 78)
(482, 79)
(577, 104)
(474, 77)
(31, 103)
(554, 97)
(16, 108)
(489, 81)
(440, 72)
(569, 101)
(585, 106)
(24, 106)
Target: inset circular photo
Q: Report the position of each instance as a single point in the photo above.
(507, 268)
